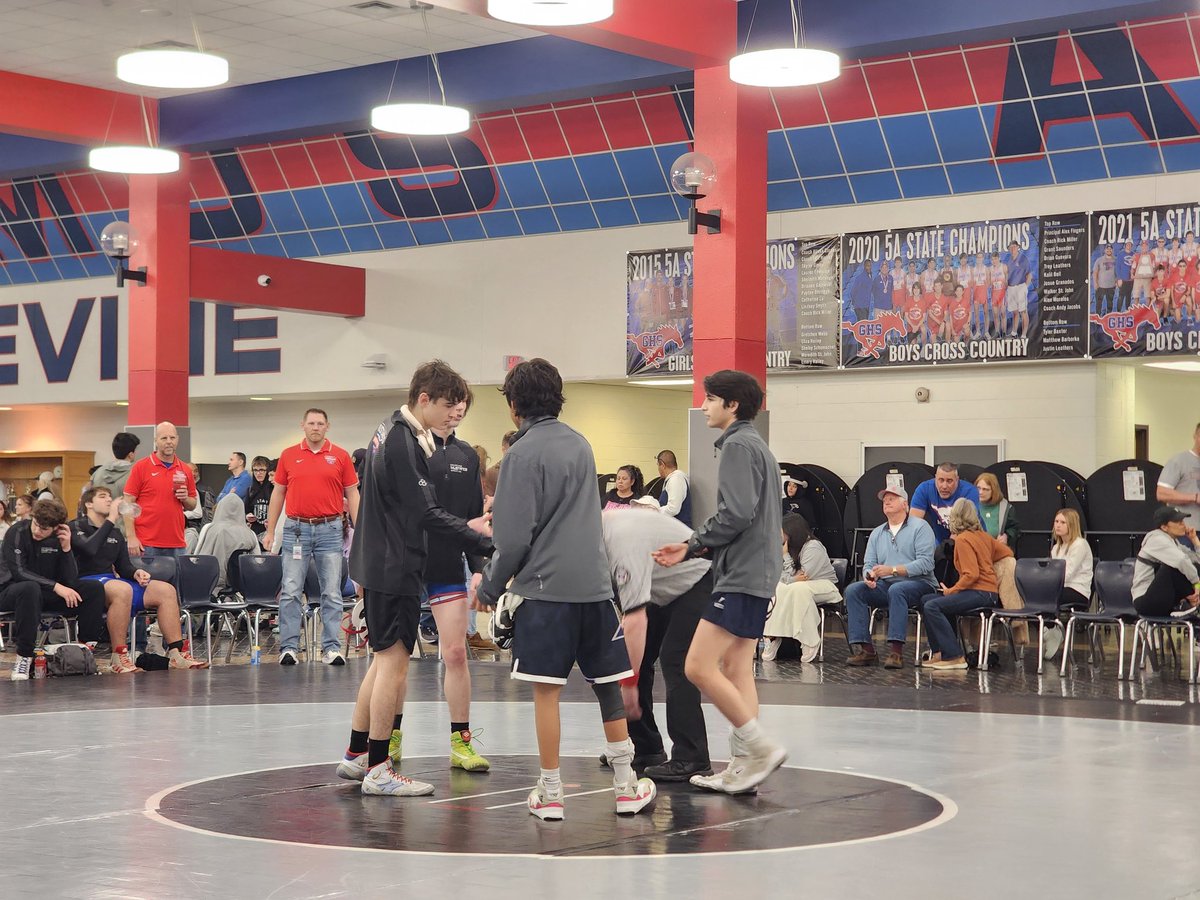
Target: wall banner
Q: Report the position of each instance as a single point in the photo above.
(972, 292)
(1144, 271)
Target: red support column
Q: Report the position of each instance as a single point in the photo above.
(158, 312)
(730, 307)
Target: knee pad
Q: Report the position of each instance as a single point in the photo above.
(612, 707)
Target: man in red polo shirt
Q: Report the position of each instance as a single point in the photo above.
(314, 482)
(162, 485)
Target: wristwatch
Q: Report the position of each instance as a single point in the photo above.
(893, 571)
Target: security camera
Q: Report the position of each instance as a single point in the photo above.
(264, 280)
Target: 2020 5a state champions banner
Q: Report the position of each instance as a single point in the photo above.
(1145, 268)
(998, 290)
(800, 292)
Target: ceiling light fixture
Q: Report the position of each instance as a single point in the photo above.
(793, 66)
(128, 160)
(550, 12)
(260, 398)
(173, 68)
(421, 118)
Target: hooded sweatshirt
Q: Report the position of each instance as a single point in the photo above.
(226, 534)
(113, 476)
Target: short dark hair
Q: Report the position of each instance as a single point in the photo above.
(534, 388)
(49, 513)
(667, 458)
(313, 409)
(730, 386)
(260, 461)
(440, 382)
(947, 467)
(242, 456)
(90, 494)
(124, 443)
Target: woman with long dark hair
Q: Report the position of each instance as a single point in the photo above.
(808, 579)
(630, 486)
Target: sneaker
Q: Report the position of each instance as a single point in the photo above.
(463, 755)
(1054, 640)
(765, 756)
(893, 660)
(640, 763)
(1188, 612)
(288, 658)
(394, 749)
(477, 641)
(633, 798)
(332, 658)
(546, 806)
(21, 670)
(946, 665)
(122, 664)
(385, 781)
(718, 782)
(863, 657)
(771, 650)
(428, 635)
(353, 766)
(183, 659)
(808, 652)
(677, 770)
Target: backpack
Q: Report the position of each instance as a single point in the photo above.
(71, 659)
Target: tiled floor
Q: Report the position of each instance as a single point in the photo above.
(220, 784)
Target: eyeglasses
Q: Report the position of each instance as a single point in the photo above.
(258, 470)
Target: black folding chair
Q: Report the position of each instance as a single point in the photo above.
(1040, 583)
(1113, 582)
(161, 568)
(1148, 628)
(838, 610)
(261, 578)
(198, 576)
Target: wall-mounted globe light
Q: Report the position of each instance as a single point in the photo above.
(692, 177)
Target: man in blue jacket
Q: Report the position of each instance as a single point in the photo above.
(742, 537)
(897, 572)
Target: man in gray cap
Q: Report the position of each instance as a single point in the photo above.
(897, 572)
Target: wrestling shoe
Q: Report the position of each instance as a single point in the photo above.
(122, 664)
(762, 758)
(394, 749)
(353, 766)
(182, 659)
(20, 672)
(634, 797)
(718, 783)
(463, 755)
(384, 781)
(546, 806)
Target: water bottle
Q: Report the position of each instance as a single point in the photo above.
(255, 653)
(39, 664)
(179, 477)
(126, 508)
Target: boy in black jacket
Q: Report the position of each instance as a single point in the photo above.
(38, 574)
(100, 550)
(399, 504)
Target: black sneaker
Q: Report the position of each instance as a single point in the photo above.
(677, 770)
(428, 635)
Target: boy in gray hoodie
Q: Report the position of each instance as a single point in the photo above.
(742, 537)
(113, 475)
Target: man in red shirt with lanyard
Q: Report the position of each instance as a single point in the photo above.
(162, 485)
(314, 481)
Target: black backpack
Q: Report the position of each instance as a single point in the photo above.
(71, 659)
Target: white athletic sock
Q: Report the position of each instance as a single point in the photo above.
(620, 757)
(552, 782)
(748, 734)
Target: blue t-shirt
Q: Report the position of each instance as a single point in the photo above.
(237, 484)
(1018, 269)
(881, 289)
(1125, 265)
(927, 500)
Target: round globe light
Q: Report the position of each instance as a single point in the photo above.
(173, 68)
(119, 240)
(785, 67)
(693, 175)
(420, 118)
(550, 12)
(134, 160)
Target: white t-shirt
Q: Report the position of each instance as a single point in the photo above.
(630, 536)
(1079, 564)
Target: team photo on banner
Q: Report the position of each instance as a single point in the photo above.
(659, 312)
(1143, 281)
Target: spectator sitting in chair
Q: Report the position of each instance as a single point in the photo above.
(23, 507)
(933, 498)
(629, 487)
(38, 574)
(808, 579)
(1166, 572)
(975, 553)
(102, 557)
(999, 517)
(1069, 543)
(897, 573)
(227, 534)
(239, 479)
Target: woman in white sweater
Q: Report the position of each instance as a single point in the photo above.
(1166, 571)
(1070, 544)
(808, 579)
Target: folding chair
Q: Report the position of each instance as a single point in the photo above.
(261, 578)
(1040, 583)
(838, 610)
(198, 576)
(1113, 582)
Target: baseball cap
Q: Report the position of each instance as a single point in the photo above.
(898, 491)
(645, 501)
(1165, 514)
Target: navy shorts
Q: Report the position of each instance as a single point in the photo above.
(549, 638)
(139, 592)
(391, 618)
(742, 615)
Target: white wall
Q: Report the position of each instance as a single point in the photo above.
(1169, 403)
